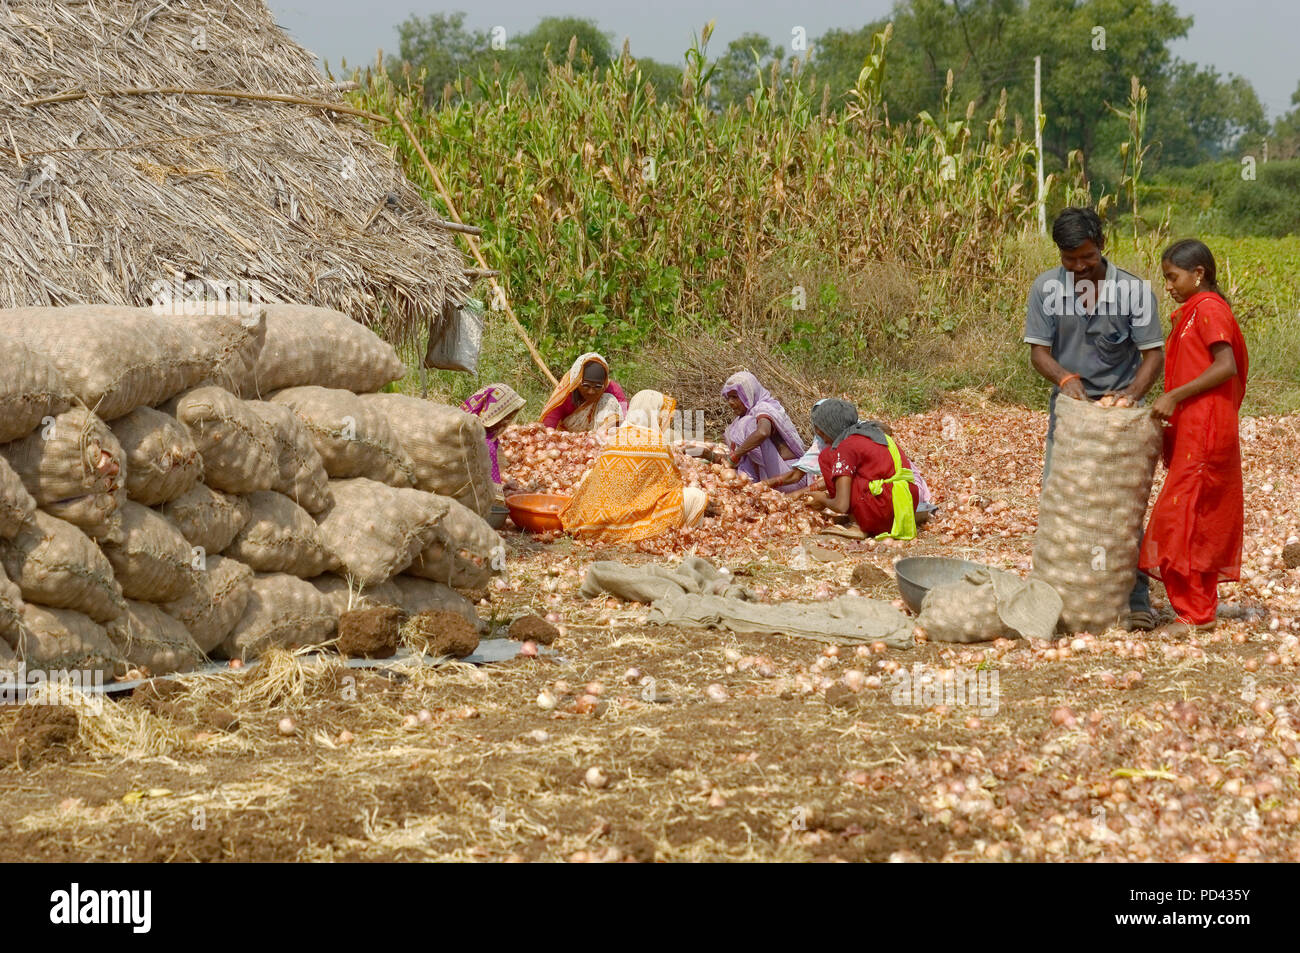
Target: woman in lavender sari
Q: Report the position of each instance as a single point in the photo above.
(764, 442)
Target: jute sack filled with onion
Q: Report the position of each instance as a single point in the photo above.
(283, 611)
(64, 640)
(31, 389)
(162, 462)
(280, 536)
(446, 447)
(56, 564)
(11, 604)
(988, 604)
(149, 639)
(229, 339)
(352, 436)
(306, 345)
(152, 561)
(217, 598)
(344, 598)
(75, 469)
(377, 530)
(1092, 507)
(302, 475)
(424, 595)
(240, 454)
(464, 552)
(16, 504)
(113, 358)
(208, 518)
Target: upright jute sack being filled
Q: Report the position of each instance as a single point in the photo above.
(1092, 507)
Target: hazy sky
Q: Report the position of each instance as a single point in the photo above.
(1254, 38)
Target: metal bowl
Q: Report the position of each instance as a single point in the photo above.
(496, 517)
(537, 512)
(917, 575)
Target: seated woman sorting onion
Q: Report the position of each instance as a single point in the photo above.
(495, 405)
(586, 398)
(634, 490)
(871, 477)
(806, 466)
(763, 440)
(810, 464)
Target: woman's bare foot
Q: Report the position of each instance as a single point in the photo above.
(1181, 630)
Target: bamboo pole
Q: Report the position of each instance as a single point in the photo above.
(76, 94)
(474, 249)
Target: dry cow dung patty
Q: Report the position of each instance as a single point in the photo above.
(440, 632)
(533, 628)
(867, 575)
(370, 633)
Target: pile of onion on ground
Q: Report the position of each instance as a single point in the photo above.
(983, 464)
(745, 516)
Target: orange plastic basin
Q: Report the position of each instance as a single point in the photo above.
(537, 512)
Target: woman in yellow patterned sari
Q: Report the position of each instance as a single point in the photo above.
(634, 491)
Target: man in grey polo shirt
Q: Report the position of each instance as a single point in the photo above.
(1092, 330)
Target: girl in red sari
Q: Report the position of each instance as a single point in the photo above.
(1193, 541)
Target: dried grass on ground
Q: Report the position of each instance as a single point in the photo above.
(1192, 757)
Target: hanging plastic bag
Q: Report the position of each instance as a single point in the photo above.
(457, 349)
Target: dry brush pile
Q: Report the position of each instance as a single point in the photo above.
(179, 487)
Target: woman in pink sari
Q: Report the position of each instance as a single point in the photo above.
(764, 442)
(496, 405)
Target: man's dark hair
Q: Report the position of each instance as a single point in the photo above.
(1074, 226)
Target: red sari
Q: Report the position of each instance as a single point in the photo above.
(1193, 540)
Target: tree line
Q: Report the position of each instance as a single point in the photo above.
(965, 50)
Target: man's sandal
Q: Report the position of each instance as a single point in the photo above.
(1140, 621)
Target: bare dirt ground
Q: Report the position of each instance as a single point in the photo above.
(1106, 747)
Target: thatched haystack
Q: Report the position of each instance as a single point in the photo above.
(107, 190)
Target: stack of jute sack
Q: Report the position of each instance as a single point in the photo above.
(175, 488)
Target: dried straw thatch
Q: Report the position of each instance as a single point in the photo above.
(110, 186)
